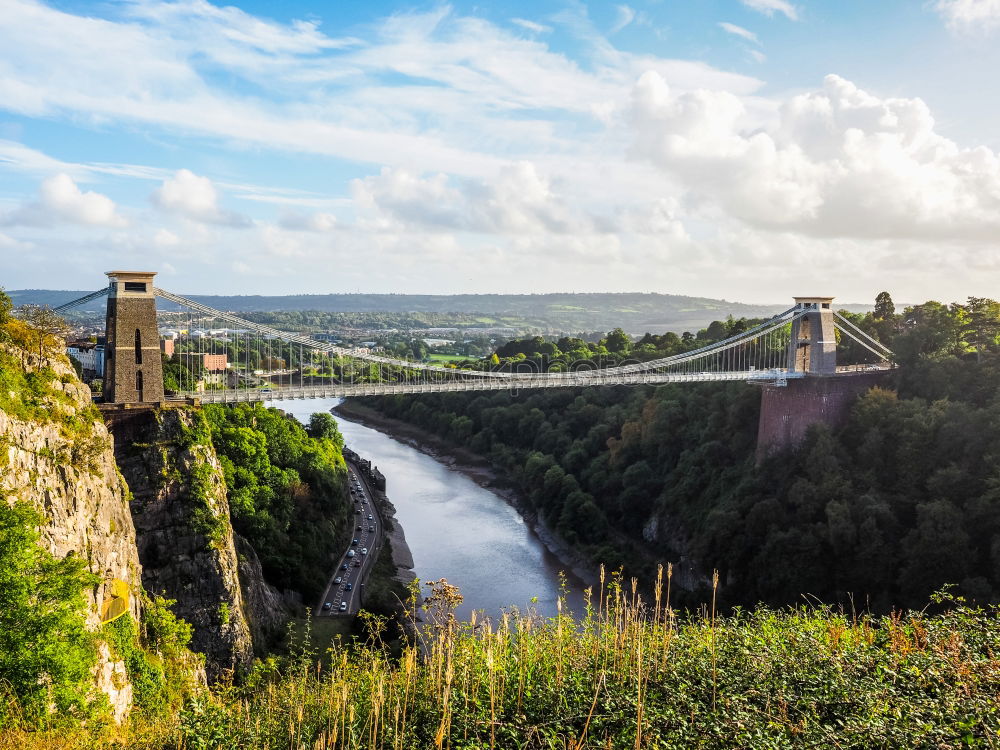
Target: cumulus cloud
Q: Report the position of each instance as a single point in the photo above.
(165, 238)
(839, 162)
(516, 201)
(770, 7)
(61, 201)
(194, 197)
(970, 15)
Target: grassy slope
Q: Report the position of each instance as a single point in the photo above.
(628, 676)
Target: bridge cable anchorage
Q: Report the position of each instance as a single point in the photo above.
(81, 301)
(887, 352)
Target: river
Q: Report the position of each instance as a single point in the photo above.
(455, 528)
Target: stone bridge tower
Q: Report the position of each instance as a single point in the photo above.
(133, 371)
(813, 348)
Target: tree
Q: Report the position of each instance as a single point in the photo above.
(46, 652)
(982, 325)
(323, 425)
(47, 325)
(618, 342)
(5, 307)
(884, 308)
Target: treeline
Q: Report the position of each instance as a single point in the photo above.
(904, 498)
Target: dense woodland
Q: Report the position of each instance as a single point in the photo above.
(287, 489)
(904, 498)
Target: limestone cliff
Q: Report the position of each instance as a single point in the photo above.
(55, 453)
(185, 540)
(268, 611)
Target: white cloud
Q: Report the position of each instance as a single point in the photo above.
(970, 15)
(739, 31)
(193, 197)
(770, 7)
(838, 162)
(625, 16)
(165, 238)
(337, 103)
(533, 26)
(9, 243)
(757, 55)
(60, 201)
(314, 222)
(516, 201)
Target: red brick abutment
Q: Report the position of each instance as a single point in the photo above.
(786, 412)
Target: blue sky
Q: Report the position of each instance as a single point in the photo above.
(746, 149)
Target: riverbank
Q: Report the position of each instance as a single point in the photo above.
(476, 468)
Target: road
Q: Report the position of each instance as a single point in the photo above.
(354, 570)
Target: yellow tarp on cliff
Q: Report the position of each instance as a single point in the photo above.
(117, 604)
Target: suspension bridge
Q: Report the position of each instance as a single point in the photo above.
(224, 358)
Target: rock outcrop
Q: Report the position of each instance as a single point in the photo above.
(185, 540)
(56, 453)
(268, 611)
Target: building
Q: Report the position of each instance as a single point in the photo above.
(167, 346)
(209, 362)
(89, 355)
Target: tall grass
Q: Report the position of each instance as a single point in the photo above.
(627, 674)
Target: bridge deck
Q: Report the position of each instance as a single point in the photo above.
(341, 390)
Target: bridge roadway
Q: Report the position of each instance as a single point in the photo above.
(550, 380)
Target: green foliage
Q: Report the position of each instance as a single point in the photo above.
(322, 425)
(144, 672)
(205, 518)
(45, 651)
(287, 490)
(6, 306)
(625, 677)
(156, 659)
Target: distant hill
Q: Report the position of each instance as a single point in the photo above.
(635, 312)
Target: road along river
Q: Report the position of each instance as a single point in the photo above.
(455, 528)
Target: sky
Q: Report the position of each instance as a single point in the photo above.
(750, 150)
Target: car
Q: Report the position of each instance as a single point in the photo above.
(328, 606)
(364, 551)
(354, 542)
(359, 528)
(357, 563)
(350, 553)
(358, 511)
(371, 528)
(343, 606)
(344, 566)
(370, 517)
(349, 587)
(338, 579)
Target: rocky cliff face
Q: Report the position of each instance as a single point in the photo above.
(267, 609)
(55, 452)
(185, 540)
